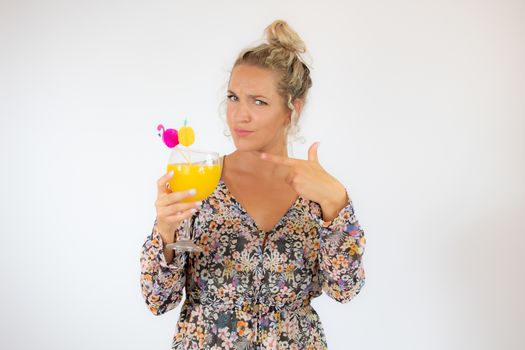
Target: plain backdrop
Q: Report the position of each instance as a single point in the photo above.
(419, 107)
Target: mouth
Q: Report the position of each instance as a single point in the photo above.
(242, 132)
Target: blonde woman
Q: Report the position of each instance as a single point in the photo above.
(276, 232)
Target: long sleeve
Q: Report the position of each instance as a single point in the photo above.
(161, 284)
(342, 247)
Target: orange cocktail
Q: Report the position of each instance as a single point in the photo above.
(201, 177)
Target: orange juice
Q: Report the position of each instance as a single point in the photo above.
(201, 177)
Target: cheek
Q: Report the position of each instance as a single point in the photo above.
(228, 114)
(275, 120)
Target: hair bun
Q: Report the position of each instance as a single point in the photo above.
(279, 33)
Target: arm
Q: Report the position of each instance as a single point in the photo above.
(161, 283)
(342, 246)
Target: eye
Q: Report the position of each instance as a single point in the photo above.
(260, 103)
(232, 98)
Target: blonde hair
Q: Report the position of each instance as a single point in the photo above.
(282, 53)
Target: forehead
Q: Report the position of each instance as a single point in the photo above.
(253, 80)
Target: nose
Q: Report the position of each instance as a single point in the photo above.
(240, 112)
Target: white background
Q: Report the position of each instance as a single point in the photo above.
(419, 107)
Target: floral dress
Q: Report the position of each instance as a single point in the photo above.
(252, 289)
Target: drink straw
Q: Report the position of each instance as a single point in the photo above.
(188, 160)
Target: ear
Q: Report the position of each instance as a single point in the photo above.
(298, 105)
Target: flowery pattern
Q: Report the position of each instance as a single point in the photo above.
(252, 289)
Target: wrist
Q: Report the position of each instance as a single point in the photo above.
(338, 197)
(335, 203)
(166, 233)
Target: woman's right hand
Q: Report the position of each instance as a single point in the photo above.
(170, 210)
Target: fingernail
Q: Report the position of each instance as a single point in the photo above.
(193, 210)
(199, 203)
(192, 192)
(263, 155)
(170, 173)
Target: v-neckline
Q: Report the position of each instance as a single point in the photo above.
(245, 212)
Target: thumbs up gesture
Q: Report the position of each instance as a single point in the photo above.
(311, 181)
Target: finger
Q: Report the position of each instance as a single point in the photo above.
(175, 197)
(179, 216)
(178, 207)
(162, 183)
(312, 152)
(289, 178)
(279, 159)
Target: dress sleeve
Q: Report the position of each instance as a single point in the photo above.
(161, 284)
(342, 247)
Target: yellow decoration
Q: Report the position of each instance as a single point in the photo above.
(186, 136)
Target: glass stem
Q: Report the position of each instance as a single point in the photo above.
(186, 230)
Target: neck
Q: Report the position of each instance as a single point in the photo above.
(250, 162)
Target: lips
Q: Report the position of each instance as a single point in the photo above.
(242, 132)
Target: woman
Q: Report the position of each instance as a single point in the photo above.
(276, 232)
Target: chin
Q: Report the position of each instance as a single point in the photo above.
(246, 146)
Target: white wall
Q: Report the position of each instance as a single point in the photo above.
(419, 107)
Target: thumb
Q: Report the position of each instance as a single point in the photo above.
(162, 183)
(312, 152)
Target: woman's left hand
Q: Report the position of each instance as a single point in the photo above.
(311, 181)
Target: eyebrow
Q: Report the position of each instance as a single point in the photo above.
(251, 96)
